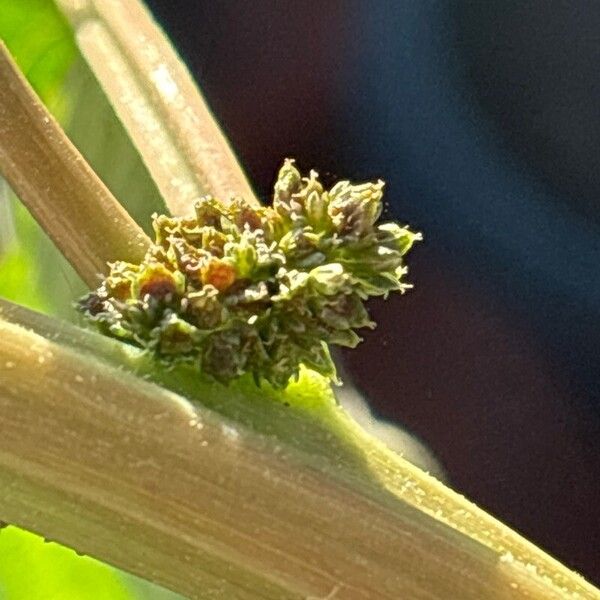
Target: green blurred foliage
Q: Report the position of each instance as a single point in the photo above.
(41, 43)
(33, 273)
(31, 568)
(19, 273)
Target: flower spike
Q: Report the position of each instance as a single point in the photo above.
(237, 289)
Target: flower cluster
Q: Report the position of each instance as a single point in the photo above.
(240, 288)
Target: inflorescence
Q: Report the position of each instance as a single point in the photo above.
(240, 288)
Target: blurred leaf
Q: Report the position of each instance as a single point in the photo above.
(19, 272)
(31, 568)
(41, 42)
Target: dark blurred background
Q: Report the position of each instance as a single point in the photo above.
(483, 117)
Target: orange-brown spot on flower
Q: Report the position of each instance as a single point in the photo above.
(158, 287)
(249, 217)
(218, 273)
(119, 288)
(156, 281)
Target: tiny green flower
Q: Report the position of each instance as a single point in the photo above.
(242, 289)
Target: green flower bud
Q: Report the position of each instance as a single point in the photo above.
(204, 308)
(288, 182)
(310, 185)
(399, 238)
(316, 211)
(329, 279)
(354, 209)
(176, 336)
(243, 255)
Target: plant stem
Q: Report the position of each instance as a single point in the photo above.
(158, 102)
(7, 229)
(209, 506)
(57, 185)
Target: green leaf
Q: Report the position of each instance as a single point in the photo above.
(19, 269)
(34, 568)
(41, 42)
(31, 568)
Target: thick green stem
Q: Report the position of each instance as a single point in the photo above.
(158, 102)
(57, 185)
(234, 501)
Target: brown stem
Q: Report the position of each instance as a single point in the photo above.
(57, 185)
(121, 469)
